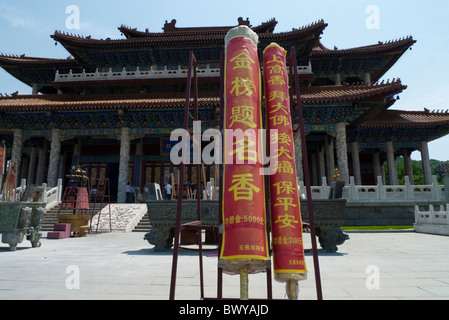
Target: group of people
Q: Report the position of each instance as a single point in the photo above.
(131, 191)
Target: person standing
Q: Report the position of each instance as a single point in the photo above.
(168, 189)
(129, 193)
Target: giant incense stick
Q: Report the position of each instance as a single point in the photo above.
(288, 250)
(244, 248)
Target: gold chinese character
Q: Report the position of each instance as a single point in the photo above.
(242, 61)
(243, 86)
(244, 150)
(287, 221)
(284, 187)
(280, 120)
(276, 80)
(243, 188)
(283, 151)
(276, 59)
(285, 167)
(286, 203)
(243, 114)
(276, 69)
(278, 107)
(282, 138)
(277, 94)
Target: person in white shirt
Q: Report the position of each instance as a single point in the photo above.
(168, 188)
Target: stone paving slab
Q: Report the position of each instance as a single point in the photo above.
(123, 266)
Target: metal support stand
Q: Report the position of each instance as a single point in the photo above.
(197, 226)
(298, 111)
(103, 195)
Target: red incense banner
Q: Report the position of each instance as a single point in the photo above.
(244, 235)
(288, 250)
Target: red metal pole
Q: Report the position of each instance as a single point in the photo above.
(181, 185)
(198, 181)
(220, 176)
(300, 113)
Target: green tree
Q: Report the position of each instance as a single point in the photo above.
(436, 168)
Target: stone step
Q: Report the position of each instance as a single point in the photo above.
(143, 225)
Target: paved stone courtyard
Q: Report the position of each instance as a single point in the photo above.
(396, 265)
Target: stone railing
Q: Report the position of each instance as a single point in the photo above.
(147, 74)
(432, 221)
(51, 197)
(380, 192)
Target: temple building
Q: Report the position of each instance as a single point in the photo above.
(112, 104)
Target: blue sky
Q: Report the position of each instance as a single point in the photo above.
(26, 26)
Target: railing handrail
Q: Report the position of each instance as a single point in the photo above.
(147, 74)
(380, 192)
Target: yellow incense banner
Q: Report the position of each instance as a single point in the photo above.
(244, 221)
(288, 250)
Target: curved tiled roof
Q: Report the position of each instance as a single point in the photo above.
(34, 61)
(346, 92)
(400, 45)
(80, 102)
(180, 38)
(309, 95)
(266, 27)
(399, 118)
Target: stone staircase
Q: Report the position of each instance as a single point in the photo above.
(144, 224)
(51, 216)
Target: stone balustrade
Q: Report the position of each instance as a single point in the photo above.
(380, 192)
(51, 197)
(432, 221)
(153, 73)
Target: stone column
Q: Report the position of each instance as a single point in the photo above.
(76, 154)
(16, 154)
(42, 163)
(322, 165)
(313, 165)
(367, 78)
(356, 163)
(337, 78)
(138, 164)
(330, 161)
(446, 180)
(408, 166)
(125, 146)
(391, 160)
(53, 165)
(426, 163)
(24, 168)
(62, 162)
(35, 89)
(342, 152)
(32, 167)
(298, 158)
(377, 167)
(382, 173)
